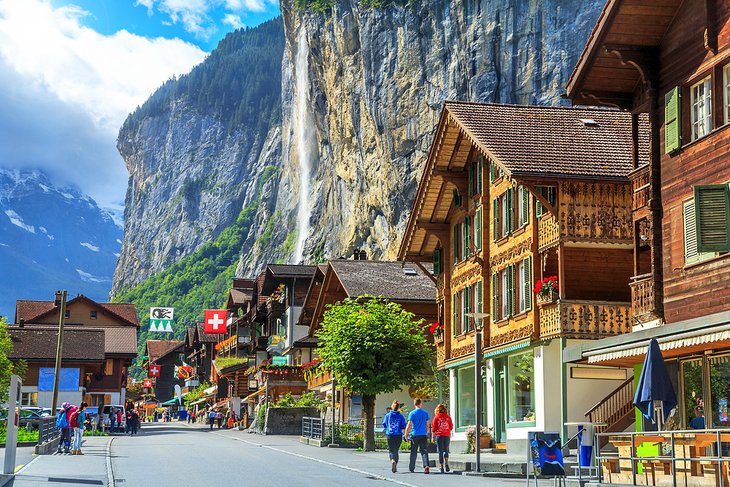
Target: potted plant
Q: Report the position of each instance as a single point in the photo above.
(546, 290)
(437, 330)
(485, 437)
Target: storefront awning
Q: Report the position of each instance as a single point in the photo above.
(202, 400)
(497, 351)
(170, 402)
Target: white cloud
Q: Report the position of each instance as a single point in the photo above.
(85, 276)
(18, 222)
(65, 90)
(89, 246)
(233, 20)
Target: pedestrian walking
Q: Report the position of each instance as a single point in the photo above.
(230, 421)
(133, 422)
(441, 429)
(120, 418)
(417, 431)
(63, 426)
(78, 418)
(211, 418)
(112, 419)
(219, 418)
(393, 425)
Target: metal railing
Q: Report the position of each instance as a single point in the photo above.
(47, 430)
(312, 427)
(685, 454)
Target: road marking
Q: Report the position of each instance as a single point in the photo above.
(19, 467)
(332, 464)
(27, 465)
(109, 472)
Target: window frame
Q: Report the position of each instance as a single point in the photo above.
(726, 92)
(706, 106)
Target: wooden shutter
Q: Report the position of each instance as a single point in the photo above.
(495, 218)
(691, 256)
(466, 237)
(471, 180)
(478, 229)
(480, 174)
(495, 297)
(510, 270)
(526, 205)
(527, 282)
(466, 298)
(510, 201)
(456, 244)
(672, 120)
(491, 172)
(712, 218)
(437, 262)
(455, 314)
(457, 198)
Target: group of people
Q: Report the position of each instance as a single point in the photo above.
(417, 430)
(72, 421)
(116, 417)
(216, 417)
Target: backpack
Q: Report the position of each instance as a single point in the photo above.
(61, 421)
(73, 420)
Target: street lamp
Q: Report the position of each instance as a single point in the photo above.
(59, 302)
(477, 320)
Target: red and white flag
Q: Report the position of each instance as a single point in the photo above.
(215, 321)
(154, 370)
(147, 383)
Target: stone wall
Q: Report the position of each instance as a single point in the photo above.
(287, 421)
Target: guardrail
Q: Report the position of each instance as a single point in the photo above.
(312, 427)
(47, 430)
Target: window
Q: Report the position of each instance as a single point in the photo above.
(93, 314)
(466, 238)
(67, 314)
(466, 398)
(524, 289)
(701, 99)
(455, 314)
(506, 207)
(438, 263)
(693, 395)
(503, 293)
(523, 206)
(29, 399)
(478, 229)
(466, 309)
(475, 176)
(478, 298)
(520, 389)
(720, 390)
(550, 193)
(494, 172)
(457, 233)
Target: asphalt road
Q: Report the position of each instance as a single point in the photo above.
(172, 454)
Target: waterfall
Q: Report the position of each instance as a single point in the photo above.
(305, 137)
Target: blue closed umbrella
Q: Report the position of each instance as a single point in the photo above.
(654, 384)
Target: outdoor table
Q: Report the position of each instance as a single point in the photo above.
(587, 449)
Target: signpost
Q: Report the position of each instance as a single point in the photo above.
(161, 319)
(11, 435)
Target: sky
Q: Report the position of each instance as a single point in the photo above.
(71, 72)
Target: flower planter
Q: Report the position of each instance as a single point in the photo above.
(547, 298)
(485, 441)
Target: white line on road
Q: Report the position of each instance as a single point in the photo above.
(338, 465)
(18, 472)
(109, 472)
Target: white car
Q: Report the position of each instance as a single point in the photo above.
(107, 409)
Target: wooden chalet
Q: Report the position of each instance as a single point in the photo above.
(410, 285)
(512, 195)
(670, 61)
(165, 354)
(116, 323)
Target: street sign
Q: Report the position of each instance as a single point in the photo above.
(278, 360)
(215, 321)
(161, 319)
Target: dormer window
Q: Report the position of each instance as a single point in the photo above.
(67, 314)
(92, 314)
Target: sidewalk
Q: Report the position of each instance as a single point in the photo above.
(87, 469)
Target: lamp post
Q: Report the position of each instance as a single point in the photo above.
(60, 302)
(478, 322)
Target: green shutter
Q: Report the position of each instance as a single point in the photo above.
(526, 204)
(672, 119)
(456, 244)
(479, 298)
(457, 198)
(478, 229)
(491, 172)
(466, 237)
(691, 256)
(495, 218)
(538, 208)
(527, 282)
(510, 199)
(495, 297)
(712, 218)
(511, 290)
(480, 174)
(455, 314)
(471, 180)
(466, 298)
(437, 262)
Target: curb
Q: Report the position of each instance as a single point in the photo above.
(109, 471)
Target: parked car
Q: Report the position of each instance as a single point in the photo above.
(27, 418)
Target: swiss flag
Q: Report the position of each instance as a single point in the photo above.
(215, 321)
(147, 383)
(154, 370)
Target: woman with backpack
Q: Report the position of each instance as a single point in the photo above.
(63, 427)
(393, 424)
(441, 429)
(76, 421)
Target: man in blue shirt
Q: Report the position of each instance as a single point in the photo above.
(417, 431)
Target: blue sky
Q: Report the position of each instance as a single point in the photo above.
(71, 72)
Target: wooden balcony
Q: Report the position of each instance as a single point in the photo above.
(642, 295)
(318, 379)
(640, 184)
(584, 319)
(548, 232)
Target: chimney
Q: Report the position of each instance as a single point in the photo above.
(363, 255)
(22, 323)
(356, 254)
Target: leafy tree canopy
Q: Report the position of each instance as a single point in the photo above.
(7, 368)
(373, 346)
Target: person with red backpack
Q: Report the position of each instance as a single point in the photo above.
(76, 420)
(63, 426)
(441, 429)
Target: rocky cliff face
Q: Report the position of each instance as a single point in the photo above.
(376, 80)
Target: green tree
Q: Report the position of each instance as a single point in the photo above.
(373, 347)
(7, 368)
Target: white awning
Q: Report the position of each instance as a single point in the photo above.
(671, 342)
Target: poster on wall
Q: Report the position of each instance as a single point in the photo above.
(722, 410)
(69, 379)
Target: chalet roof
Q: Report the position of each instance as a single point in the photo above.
(38, 343)
(205, 337)
(120, 340)
(310, 300)
(238, 297)
(387, 279)
(190, 336)
(550, 141)
(43, 311)
(632, 26)
(157, 349)
(276, 272)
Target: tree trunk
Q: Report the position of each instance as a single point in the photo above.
(368, 405)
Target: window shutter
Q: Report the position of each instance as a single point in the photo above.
(538, 208)
(672, 125)
(510, 270)
(510, 199)
(480, 173)
(491, 172)
(466, 295)
(471, 180)
(691, 256)
(457, 198)
(455, 314)
(466, 237)
(456, 244)
(525, 205)
(712, 218)
(495, 297)
(479, 298)
(527, 283)
(437, 262)
(495, 218)
(478, 229)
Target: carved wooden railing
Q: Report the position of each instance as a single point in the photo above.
(642, 295)
(640, 184)
(613, 407)
(584, 319)
(548, 232)
(320, 378)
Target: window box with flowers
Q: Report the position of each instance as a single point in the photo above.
(437, 330)
(546, 290)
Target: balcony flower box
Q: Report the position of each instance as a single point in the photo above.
(546, 290)
(437, 330)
